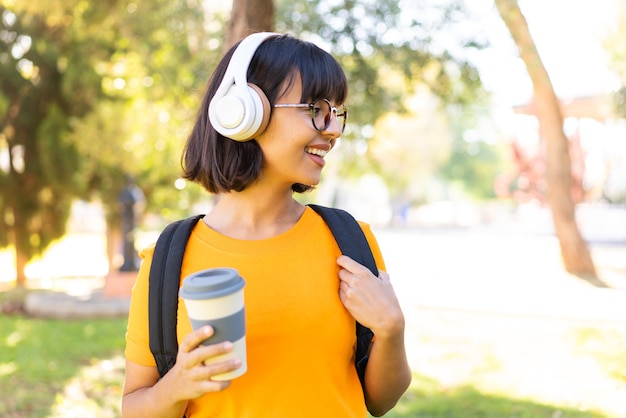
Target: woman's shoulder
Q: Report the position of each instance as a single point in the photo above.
(147, 251)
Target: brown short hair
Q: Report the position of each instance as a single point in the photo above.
(222, 165)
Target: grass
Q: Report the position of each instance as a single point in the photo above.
(426, 399)
(517, 366)
(43, 363)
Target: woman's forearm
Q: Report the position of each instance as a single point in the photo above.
(154, 401)
(387, 375)
(145, 395)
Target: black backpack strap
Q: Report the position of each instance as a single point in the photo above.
(353, 243)
(163, 291)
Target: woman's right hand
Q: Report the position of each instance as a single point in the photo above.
(194, 368)
(147, 395)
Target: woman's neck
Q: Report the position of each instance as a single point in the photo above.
(250, 216)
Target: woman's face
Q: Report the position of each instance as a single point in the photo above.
(293, 150)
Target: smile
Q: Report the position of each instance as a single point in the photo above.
(316, 151)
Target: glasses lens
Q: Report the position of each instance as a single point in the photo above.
(322, 113)
(342, 116)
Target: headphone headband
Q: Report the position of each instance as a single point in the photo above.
(240, 110)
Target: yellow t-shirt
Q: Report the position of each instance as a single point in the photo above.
(300, 338)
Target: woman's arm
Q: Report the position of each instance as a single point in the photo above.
(387, 375)
(147, 396)
(372, 302)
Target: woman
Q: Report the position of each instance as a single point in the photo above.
(254, 145)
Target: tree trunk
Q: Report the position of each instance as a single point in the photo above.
(20, 267)
(249, 16)
(576, 257)
(113, 238)
(21, 257)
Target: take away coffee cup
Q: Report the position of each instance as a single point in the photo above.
(215, 297)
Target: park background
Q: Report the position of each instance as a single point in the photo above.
(452, 182)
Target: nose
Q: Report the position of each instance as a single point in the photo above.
(334, 129)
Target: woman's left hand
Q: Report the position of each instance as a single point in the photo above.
(370, 300)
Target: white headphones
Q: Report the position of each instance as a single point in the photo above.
(240, 110)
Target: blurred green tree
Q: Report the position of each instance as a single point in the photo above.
(88, 92)
(388, 49)
(154, 82)
(409, 148)
(39, 174)
(477, 156)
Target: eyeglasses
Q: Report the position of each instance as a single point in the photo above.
(321, 113)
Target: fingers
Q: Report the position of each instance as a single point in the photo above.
(352, 270)
(370, 300)
(193, 353)
(194, 339)
(210, 370)
(205, 375)
(197, 365)
(349, 264)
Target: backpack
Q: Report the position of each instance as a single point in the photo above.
(165, 279)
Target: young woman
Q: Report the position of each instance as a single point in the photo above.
(302, 296)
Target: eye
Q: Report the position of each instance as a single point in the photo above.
(316, 109)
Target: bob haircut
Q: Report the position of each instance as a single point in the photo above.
(222, 165)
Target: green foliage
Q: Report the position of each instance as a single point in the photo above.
(372, 39)
(474, 165)
(91, 92)
(408, 148)
(476, 158)
(38, 164)
(162, 59)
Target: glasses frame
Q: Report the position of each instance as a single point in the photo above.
(311, 106)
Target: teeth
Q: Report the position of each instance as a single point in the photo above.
(316, 151)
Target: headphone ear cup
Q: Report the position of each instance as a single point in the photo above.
(240, 110)
(262, 110)
(240, 117)
(227, 113)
